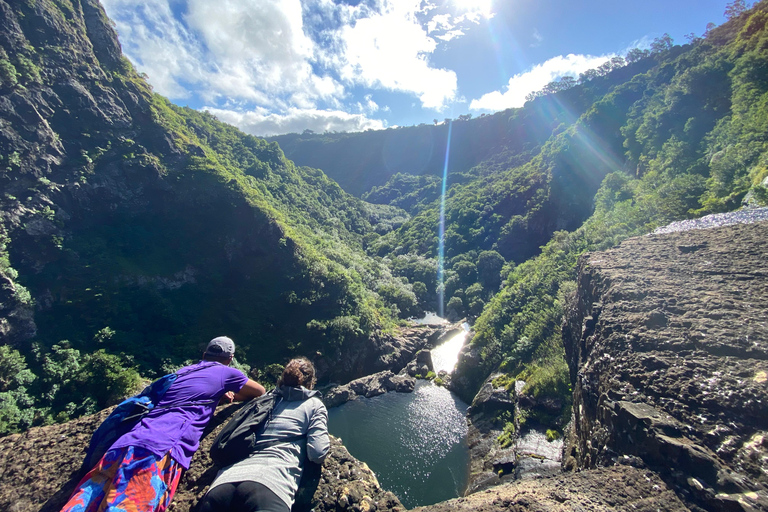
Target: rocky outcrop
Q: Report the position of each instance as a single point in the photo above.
(40, 470)
(497, 456)
(368, 387)
(667, 344)
(616, 488)
(382, 352)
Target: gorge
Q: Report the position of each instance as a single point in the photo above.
(133, 230)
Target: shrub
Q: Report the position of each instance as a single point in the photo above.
(9, 77)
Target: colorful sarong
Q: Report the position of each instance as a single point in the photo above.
(128, 479)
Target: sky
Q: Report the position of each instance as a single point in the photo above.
(281, 66)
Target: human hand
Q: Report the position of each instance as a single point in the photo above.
(227, 398)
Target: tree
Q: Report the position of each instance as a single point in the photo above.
(734, 9)
(588, 75)
(662, 44)
(617, 62)
(710, 27)
(567, 82)
(13, 369)
(635, 54)
(489, 265)
(692, 38)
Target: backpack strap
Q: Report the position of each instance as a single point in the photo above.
(272, 442)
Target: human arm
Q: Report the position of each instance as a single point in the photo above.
(251, 389)
(318, 442)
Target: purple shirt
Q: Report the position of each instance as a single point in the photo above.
(178, 429)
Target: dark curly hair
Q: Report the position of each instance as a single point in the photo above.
(298, 372)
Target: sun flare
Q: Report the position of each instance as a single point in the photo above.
(481, 7)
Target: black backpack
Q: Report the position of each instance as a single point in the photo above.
(240, 437)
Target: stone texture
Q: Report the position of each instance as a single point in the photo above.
(39, 470)
(667, 344)
(616, 488)
(369, 386)
(383, 351)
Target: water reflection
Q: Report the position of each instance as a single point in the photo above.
(414, 442)
(430, 318)
(446, 355)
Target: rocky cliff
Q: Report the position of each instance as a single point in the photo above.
(667, 344)
(40, 470)
(666, 340)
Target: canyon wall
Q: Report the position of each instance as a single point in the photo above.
(667, 342)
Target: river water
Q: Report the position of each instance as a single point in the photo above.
(414, 442)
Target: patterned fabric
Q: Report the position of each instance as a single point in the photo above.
(128, 479)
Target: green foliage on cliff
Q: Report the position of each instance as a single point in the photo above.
(693, 135)
(171, 227)
(672, 133)
(160, 222)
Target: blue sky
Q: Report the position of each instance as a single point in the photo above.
(280, 66)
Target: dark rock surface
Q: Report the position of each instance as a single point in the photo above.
(39, 470)
(370, 386)
(620, 488)
(421, 364)
(529, 453)
(490, 464)
(667, 344)
(383, 351)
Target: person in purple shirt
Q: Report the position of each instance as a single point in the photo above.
(142, 468)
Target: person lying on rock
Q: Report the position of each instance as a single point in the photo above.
(142, 468)
(267, 479)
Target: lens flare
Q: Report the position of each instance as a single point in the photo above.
(482, 7)
(441, 243)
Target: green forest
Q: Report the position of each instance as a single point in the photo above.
(134, 230)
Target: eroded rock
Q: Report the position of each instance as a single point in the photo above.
(667, 345)
(368, 387)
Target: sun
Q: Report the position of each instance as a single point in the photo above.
(481, 7)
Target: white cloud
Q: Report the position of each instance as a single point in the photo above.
(281, 58)
(535, 79)
(158, 44)
(537, 38)
(440, 22)
(451, 34)
(261, 122)
(391, 49)
(253, 50)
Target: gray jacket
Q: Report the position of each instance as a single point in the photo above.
(279, 467)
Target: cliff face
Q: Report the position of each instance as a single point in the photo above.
(667, 345)
(40, 470)
(120, 210)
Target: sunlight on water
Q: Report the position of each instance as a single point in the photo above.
(446, 355)
(430, 318)
(414, 442)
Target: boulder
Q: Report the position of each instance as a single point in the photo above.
(615, 488)
(368, 387)
(491, 399)
(667, 345)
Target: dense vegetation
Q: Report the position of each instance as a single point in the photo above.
(134, 230)
(670, 133)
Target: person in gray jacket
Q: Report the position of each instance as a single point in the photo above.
(267, 480)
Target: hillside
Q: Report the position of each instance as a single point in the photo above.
(134, 230)
(672, 133)
(665, 336)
